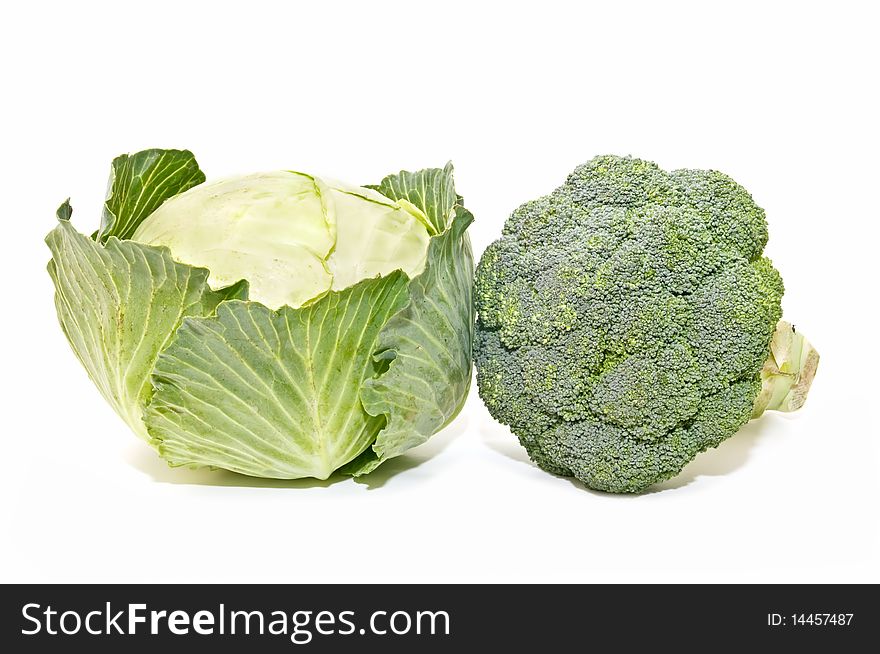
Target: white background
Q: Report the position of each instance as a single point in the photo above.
(782, 96)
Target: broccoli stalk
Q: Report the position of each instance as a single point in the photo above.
(788, 371)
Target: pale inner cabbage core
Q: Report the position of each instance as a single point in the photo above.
(294, 237)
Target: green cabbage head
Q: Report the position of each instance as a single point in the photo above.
(276, 324)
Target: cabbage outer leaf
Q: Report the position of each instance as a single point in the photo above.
(140, 183)
(273, 393)
(119, 304)
(429, 342)
(431, 191)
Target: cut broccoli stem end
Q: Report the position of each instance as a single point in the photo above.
(788, 371)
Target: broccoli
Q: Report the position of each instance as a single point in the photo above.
(628, 321)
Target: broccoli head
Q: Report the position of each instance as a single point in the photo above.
(625, 323)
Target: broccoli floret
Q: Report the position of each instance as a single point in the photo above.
(625, 323)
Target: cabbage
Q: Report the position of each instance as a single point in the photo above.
(277, 324)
